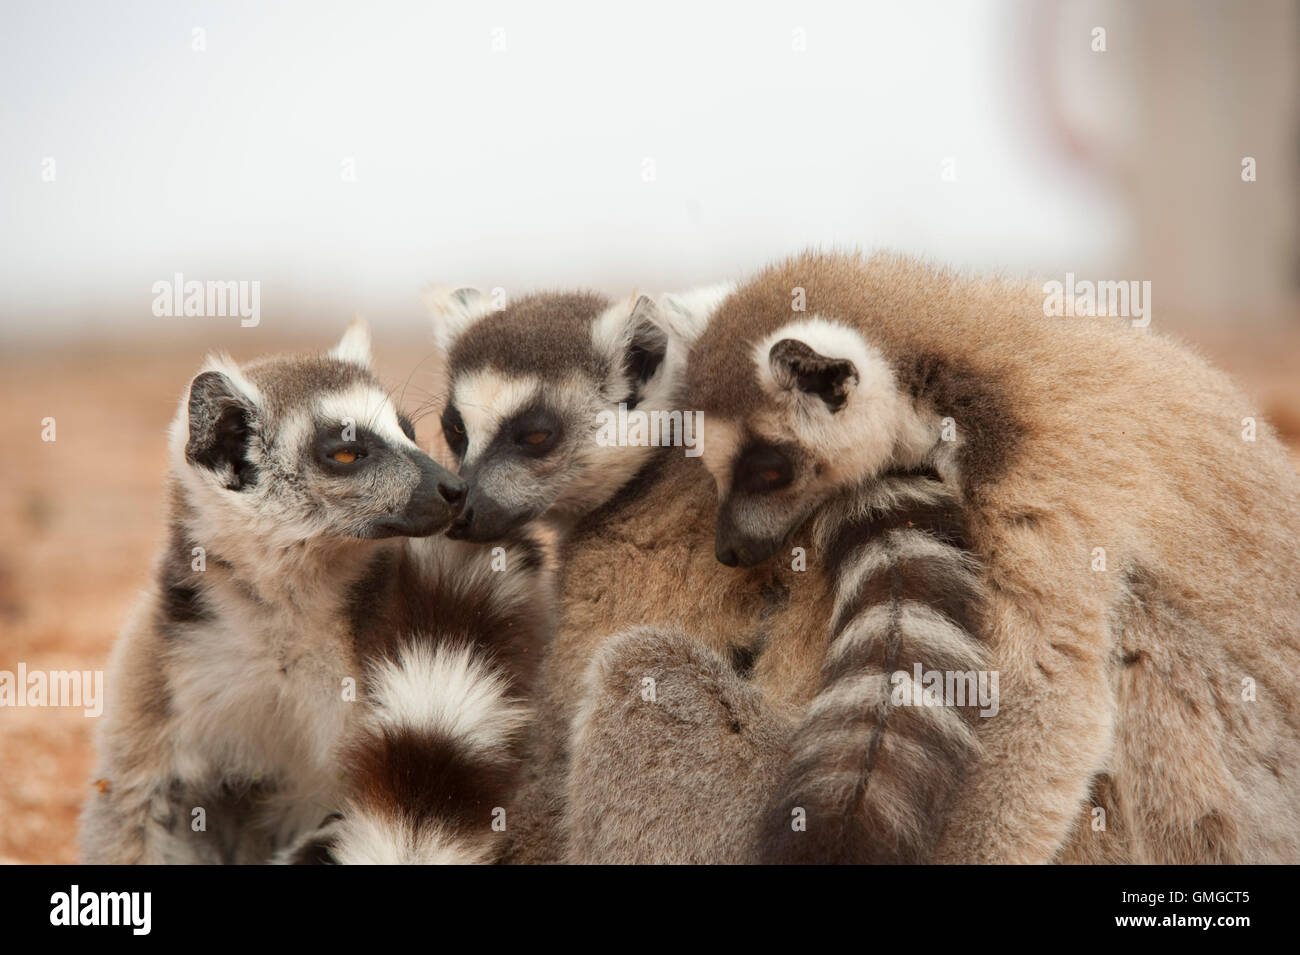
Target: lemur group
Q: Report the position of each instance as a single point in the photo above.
(952, 581)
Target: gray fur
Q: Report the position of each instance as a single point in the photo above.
(677, 770)
(546, 334)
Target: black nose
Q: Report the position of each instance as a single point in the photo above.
(452, 493)
(728, 557)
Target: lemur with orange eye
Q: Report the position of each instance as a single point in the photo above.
(314, 676)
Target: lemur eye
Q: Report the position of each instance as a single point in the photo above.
(535, 432)
(763, 468)
(536, 438)
(453, 429)
(344, 457)
(536, 443)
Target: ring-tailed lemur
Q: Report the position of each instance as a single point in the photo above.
(1133, 549)
(526, 387)
(828, 437)
(300, 654)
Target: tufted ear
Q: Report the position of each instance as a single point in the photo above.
(453, 310)
(630, 337)
(221, 419)
(685, 315)
(796, 366)
(354, 346)
(646, 342)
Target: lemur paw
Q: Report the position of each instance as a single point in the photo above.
(681, 679)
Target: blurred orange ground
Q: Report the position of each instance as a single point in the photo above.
(82, 517)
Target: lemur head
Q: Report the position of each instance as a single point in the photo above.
(526, 385)
(286, 451)
(795, 411)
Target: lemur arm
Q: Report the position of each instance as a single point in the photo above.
(129, 818)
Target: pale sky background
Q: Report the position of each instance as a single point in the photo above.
(520, 168)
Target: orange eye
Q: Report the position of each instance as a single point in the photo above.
(537, 437)
(344, 457)
(770, 476)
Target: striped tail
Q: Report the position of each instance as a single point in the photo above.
(434, 763)
(876, 758)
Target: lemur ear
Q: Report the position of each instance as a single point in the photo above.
(220, 425)
(631, 338)
(647, 342)
(454, 310)
(354, 346)
(685, 315)
(795, 365)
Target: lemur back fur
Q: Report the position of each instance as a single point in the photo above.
(1141, 606)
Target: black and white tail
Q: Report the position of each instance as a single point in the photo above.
(872, 766)
(432, 769)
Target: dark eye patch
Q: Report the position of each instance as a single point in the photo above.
(453, 429)
(534, 432)
(336, 455)
(762, 468)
